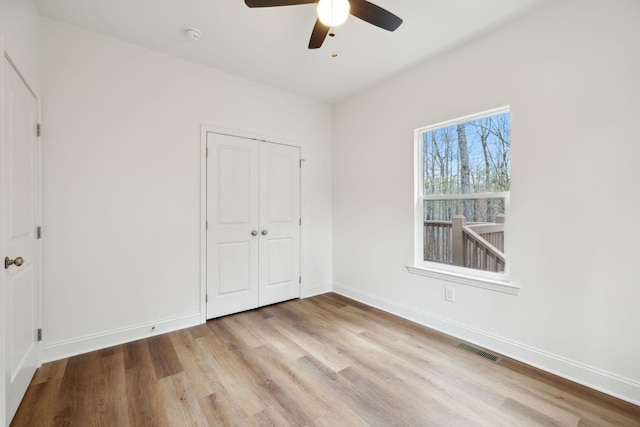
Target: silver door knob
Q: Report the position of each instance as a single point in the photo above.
(17, 262)
(264, 232)
(254, 233)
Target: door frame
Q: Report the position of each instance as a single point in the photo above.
(39, 214)
(204, 130)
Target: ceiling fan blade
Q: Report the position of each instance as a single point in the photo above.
(271, 3)
(318, 35)
(375, 15)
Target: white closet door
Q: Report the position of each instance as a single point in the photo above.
(233, 223)
(279, 223)
(253, 215)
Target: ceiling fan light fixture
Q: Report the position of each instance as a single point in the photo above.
(333, 12)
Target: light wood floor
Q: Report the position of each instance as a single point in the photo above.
(322, 361)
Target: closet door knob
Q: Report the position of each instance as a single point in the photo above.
(265, 232)
(254, 232)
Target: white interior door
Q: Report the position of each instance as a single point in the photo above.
(253, 229)
(20, 196)
(232, 224)
(279, 223)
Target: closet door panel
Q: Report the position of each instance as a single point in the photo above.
(280, 219)
(233, 219)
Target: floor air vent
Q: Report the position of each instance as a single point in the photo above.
(479, 352)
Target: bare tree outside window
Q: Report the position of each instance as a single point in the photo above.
(466, 181)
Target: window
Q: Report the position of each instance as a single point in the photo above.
(462, 198)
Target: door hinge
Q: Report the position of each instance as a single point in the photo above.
(300, 221)
(301, 160)
(206, 297)
(206, 152)
(38, 232)
(299, 279)
(38, 129)
(39, 334)
(206, 225)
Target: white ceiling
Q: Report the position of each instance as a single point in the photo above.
(270, 44)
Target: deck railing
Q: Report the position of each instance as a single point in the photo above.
(437, 241)
(473, 245)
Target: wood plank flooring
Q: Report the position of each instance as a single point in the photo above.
(322, 361)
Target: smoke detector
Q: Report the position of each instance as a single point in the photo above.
(193, 33)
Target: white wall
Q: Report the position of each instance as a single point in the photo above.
(570, 73)
(19, 26)
(18, 38)
(121, 157)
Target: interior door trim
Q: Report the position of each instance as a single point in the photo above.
(204, 130)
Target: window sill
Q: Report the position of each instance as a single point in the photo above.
(478, 282)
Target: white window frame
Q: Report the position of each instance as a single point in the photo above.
(467, 276)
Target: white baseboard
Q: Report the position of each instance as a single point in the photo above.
(316, 290)
(67, 348)
(606, 382)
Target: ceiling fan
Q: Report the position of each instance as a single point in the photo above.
(332, 13)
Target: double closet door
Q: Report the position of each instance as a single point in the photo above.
(253, 223)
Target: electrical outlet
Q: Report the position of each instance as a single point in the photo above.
(449, 294)
(316, 269)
